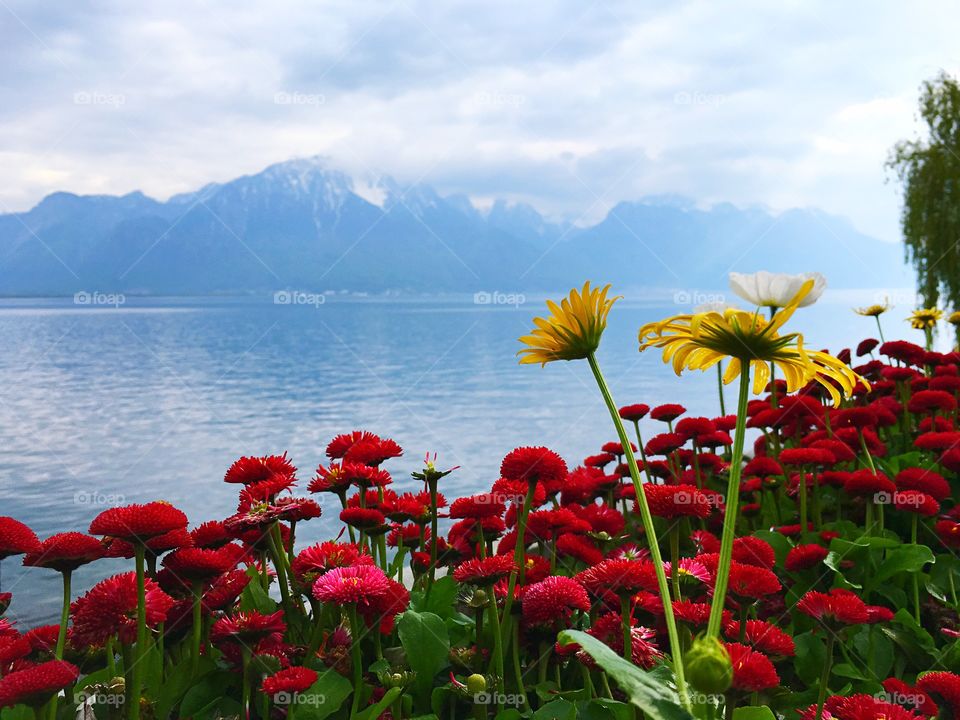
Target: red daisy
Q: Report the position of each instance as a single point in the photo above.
(762, 636)
(751, 581)
(762, 466)
(943, 687)
(484, 571)
(866, 483)
(924, 480)
(341, 444)
(43, 639)
(916, 502)
(934, 440)
(248, 470)
(110, 608)
(578, 547)
(476, 507)
(249, 628)
(839, 607)
(200, 564)
(801, 457)
(373, 451)
(317, 559)
(138, 522)
(695, 613)
(357, 584)
(14, 647)
(866, 346)
(619, 577)
(16, 538)
(211, 534)
(599, 461)
(926, 401)
(667, 412)
(65, 551)
(553, 600)
(35, 685)
(673, 501)
(859, 707)
(752, 670)
(385, 606)
(289, 681)
(664, 443)
(634, 413)
(751, 550)
(534, 464)
(804, 557)
(367, 519)
(609, 629)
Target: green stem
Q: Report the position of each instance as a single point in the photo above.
(651, 534)
(497, 647)
(517, 674)
(732, 501)
(879, 329)
(723, 409)
(803, 501)
(625, 617)
(245, 684)
(674, 534)
(64, 616)
(825, 676)
(197, 628)
(139, 652)
(519, 554)
(916, 576)
(356, 660)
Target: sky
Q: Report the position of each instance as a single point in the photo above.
(570, 106)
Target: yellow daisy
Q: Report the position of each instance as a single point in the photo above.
(924, 318)
(700, 341)
(572, 330)
(872, 310)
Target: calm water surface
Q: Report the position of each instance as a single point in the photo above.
(156, 398)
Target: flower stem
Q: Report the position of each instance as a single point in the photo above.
(651, 533)
(136, 671)
(197, 627)
(356, 660)
(723, 409)
(825, 676)
(497, 647)
(879, 329)
(626, 614)
(64, 616)
(732, 501)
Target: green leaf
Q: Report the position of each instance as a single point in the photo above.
(604, 709)
(19, 712)
(658, 700)
(442, 598)
(427, 645)
(811, 653)
(558, 709)
(177, 682)
(323, 698)
(509, 714)
(904, 559)
(754, 713)
(254, 597)
(374, 711)
(209, 694)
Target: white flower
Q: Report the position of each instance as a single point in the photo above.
(768, 289)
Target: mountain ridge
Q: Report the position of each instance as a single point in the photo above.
(304, 224)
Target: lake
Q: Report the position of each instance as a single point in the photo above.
(154, 398)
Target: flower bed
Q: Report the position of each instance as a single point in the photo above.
(673, 576)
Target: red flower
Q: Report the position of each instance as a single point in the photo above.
(373, 451)
(695, 613)
(903, 351)
(476, 507)
(599, 461)
(553, 600)
(43, 639)
(317, 559)
(14, 647)
(664, 443)
(859, 707)
(673, 501)
(578, 547)
(948, 528)
(937, 440)
(620, 577)
(225, 590)
(198, 564)
(839, 607)
(943, 687)
(110, 608)
(609, 629)
(926, 481)
(16, 538)
(909, 696)
(762, 466)
(925, 401)
(35, 685)
(668, 412)
(753, 551)
(865, 483)
(289, 680)
(762, 636)
(65, 551)
(615, 448)
(358, 584)
(916, 502)
(484, 571)
(866, 346)
(751, 581)
(534, 464)
(249, 628)
(341, 444)
(799, 457)
(693, 428)
(752, 670)
(211, 534)
(364, 518)
(138, 522)
(804, 557)
(384, 607)
(249, 470)
(634, 413)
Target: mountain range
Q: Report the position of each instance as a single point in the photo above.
(304, 225)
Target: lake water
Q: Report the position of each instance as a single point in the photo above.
(154, 399)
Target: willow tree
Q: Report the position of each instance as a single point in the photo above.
(930, 172)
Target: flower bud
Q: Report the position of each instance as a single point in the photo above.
(707, 665)
(476, 684)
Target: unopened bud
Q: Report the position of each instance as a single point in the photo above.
(476, 684)
(707, 666)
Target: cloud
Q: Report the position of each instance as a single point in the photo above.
(567, 105)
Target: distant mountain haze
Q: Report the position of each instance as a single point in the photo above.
(303, 225)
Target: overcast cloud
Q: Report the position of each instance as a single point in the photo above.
(571, 106)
